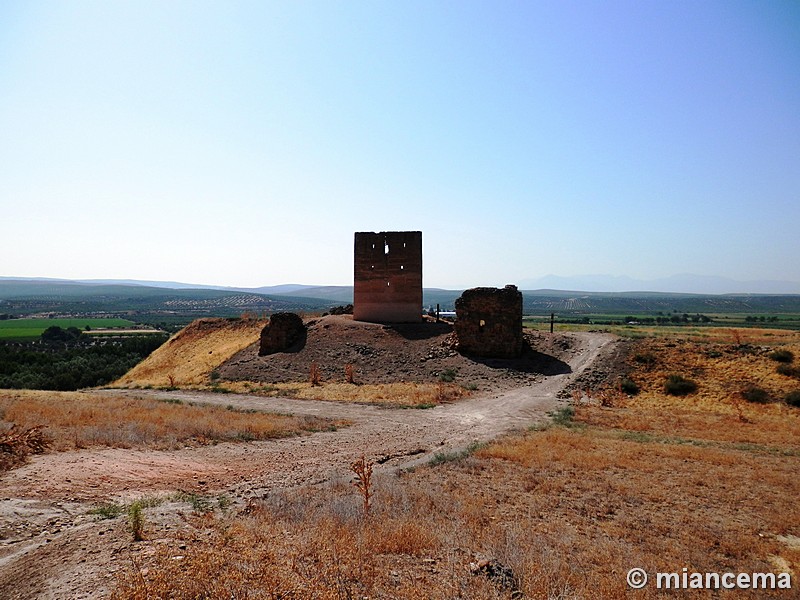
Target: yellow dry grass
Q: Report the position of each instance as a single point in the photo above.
(189, 357)
(722, 372)
(402, 394)
(78, 420)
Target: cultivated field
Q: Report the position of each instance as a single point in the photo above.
(28, 329)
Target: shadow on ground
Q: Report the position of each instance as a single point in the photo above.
(531, 361)
(421, 331)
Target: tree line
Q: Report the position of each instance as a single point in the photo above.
(66, 359)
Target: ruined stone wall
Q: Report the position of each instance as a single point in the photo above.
(284, 332)
(387, 285)
(489, 322)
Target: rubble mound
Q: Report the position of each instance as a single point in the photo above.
(412, 352)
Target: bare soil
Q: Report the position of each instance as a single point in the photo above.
(51, 547)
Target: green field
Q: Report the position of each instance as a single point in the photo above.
(28, 329)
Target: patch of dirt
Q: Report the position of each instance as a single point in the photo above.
(611, 366)
(420, 353)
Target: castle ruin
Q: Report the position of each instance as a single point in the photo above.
(387, 283)
(489, 322)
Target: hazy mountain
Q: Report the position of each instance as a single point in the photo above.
(682, 284)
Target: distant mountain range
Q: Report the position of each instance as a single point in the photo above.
(686, 283)
(680, 284)
(597, 294)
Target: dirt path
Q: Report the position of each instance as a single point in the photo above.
(50, 547)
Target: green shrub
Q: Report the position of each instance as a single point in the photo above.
(109, 510)
(755, 394)
(629, 386)
(782, 356)
(675, 385)
(448, 375)
(136, 520)
(793, 398)
(564, 416)
(441, 458)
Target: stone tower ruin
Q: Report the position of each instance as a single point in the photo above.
(387, 283)
(489, 322)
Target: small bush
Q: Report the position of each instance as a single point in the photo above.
(788, 370)
(564, 416)
(109, 510)
(648, 359)
(441, 458)
(136, 520)
(448, 375)
(781, 356)
(793, 398)
(675, 385)
(755, 394)
(629, 386)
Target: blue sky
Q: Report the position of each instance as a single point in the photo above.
(242, 143)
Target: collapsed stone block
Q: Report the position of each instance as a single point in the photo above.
(489, 322)
(284, 331)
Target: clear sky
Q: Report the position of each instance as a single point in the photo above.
(243, 143)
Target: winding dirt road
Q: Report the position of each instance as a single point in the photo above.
(50, 547)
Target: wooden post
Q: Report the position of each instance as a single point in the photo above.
(437, 312)
(552, 319)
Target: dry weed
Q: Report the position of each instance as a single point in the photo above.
(17, 443)
(363, 481)
(314, 375)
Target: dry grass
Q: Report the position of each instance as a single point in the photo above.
(79, 420)
(661, 483)
(17, 443)
(189, 357)
(385, 394)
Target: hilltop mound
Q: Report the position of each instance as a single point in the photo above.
(379, 354)
(189, 357)
(421, 352)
